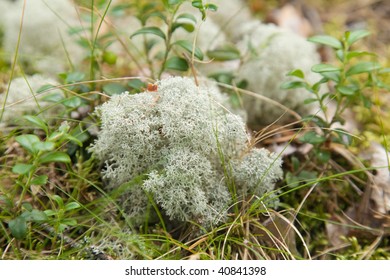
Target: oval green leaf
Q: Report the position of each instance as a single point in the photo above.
(211, 7)
(22, 168)
(363, 67)
(44, 146)
(197, 4)
(40, 180)
(187, 16)
(55, 157)
(37, 121)
(176, 63)
(72, 205)
(296, 73)
(356, 35)
(136, 84)
(313, 138)
(188, 46)
(113, 88)
(347, 90)
(189, 27)
(149, 30)
(72, 102)
(45, 88)
(18, 227)
(326, 40)
(322, 67)
(225, 53)
(293, 84)
(34, 215)
(27, 141)
(38, 216)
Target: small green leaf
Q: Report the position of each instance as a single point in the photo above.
(40, 180)
(293, 84)
(34, 215)
(224, 53)
(156, 14)
(69, 222)
(363, 67)
(44, 146)
(188, 46)
(78, 135)
(5, 202)
(27, 141)
(211, 7)
(291, 180)
(53, 97)
(310, 100)
(149, 30)
(176, 63)
(37, 122)
(356, 35)
(55, 136)
(62, 227)
(305, 175)
(340, 55)
(113, 88)
(187, 16)
(18, 227)
(197, 4)
(359, 54)
(296, 73)
(316, 87)
(326, 40)
(59, 200)
(74, 77)
(71, 206)
(223, 77)
(64, 127)
(38, 216)
(50, 212)
(347, 90)
(333, 76)
(317, 120)
(75, 139)
(72, 102)
(343, 137)
(185, 21)
(319, 68)
(323, 156)
(55, 157)
(295, 163)
(136, 84)
(45, 88)
(189, 27)
(313, 138)
(27, 206)
(22, 168)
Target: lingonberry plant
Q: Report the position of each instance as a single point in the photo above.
(356, 75)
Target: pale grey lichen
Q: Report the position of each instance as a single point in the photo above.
(249, 179)
(270, 53)
(182, 147)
